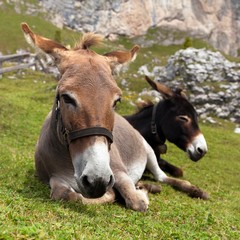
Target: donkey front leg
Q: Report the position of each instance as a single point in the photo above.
(61, 190)
(166, 166)
(135, 198)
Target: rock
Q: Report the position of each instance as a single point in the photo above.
(112, 37)
(237, 130)
(210, 120)
(208, 80)
(143, 70)
(216, 21)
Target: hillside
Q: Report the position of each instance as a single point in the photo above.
(26, 209)
(216, 22)
(28, 213)
(151, 56)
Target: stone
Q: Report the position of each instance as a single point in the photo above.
(237, 130)
(208, 83)
(143, 70)
(134, 18)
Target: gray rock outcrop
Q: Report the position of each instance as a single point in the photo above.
(212, 82)
(217, 21)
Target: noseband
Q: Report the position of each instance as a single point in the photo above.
(70, 136)
(86, 132)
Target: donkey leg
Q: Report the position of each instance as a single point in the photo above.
(166, 166)
(169, 168)
(135, 198)
(60, 190)
(179, 184)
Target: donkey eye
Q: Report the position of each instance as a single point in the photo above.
(183, 118)
(116, 101)
(68, 100)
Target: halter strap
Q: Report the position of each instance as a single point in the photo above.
(153, 122)
(69, 136)
(89, 132)
(154, 126)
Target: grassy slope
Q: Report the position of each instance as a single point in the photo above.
(11, 35)
(26, 212)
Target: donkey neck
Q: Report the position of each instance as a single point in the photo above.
(156, 128)
(143, 121)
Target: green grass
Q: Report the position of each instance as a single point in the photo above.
(11, 32)
(26, 211)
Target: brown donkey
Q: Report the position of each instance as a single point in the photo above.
(85, 150)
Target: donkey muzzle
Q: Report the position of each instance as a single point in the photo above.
(198, 148)
(92, 169)
(94, 188)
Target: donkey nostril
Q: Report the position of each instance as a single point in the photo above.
(85, 181)
(111, 181)
(200, 151)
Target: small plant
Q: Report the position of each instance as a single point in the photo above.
(238, 52)
(187, 43)
(57, 36)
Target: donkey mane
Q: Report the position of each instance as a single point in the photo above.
(141, 106)
(88, 40)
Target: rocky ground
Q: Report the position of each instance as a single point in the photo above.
(210, 80)
(216, 21)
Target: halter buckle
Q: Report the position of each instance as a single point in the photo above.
(154, 128)
(57, 109)
(65, 134)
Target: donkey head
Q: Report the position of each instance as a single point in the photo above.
(176, 118)
(85, 101)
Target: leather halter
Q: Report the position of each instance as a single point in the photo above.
(154, 126)
(70, 136)
(85, 132)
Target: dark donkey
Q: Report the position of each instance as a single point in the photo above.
(85, 150)
(175, 119)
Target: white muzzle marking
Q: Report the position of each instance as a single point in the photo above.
(198, 148)
(92, 170)
(94, 161)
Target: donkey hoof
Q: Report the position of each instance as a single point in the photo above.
(140, 206)
(139, 202)
(198, 193)
(206, 196)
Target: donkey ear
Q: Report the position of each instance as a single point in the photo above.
(164, 90)
(45, 44)
(181, 92)
(119, 59)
